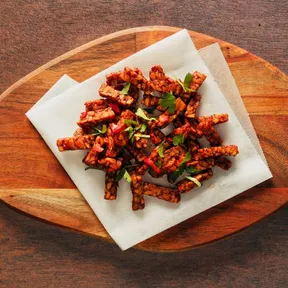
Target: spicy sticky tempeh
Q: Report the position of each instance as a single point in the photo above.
(203, 153)
(111, 186)
(75, 143)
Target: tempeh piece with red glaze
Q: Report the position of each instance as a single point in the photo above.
(156, 136)
(162, 83)
(201, 164)
(210, 133)
(172, 159)
(91, 118)
(223, 163)
(192, 107)
(214, 119)
(111, 186)
(202, 153)
(115, 95)
(92, 156)
(137, 153)
(166, 118)
(168, 194)
(197, 80)
(186, 185)
(96, 105)
(110, 164)
(134, 76)
(75, 143)
(138, 202)
(150, 101)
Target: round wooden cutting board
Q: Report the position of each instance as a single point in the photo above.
(34, 182)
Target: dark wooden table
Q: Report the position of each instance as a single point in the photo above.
(35, 254)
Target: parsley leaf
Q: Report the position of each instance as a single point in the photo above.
(140, 112)
(178, 139)
(187, 81)
(194, 180)
(143, 128)
(192, 170)
(186, 158)
(160, 149)
(158, 163)
(168, 102)
(122, 173)
(126, 88)
(127, 176)
(130, 130)
(130, 122)
(99, 131)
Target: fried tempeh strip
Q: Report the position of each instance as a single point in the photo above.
(150, 101)
(223, 163)
(95, 105)
(75, 143)
(162, 83)
(166, 118)
(186, 185)
(210, 133)
(134, 76)
(111, 186)
(137, 153)
(192, 107)
(115, 95)
(110, 164)
(201, 164)
(138, 202)
(163, 193)
(214, 119)
(156, 136)
(231, 150)
(91, 118)
(184, 130)
(192, 144)
(172, 159)
(92, 156)
(197, 80)
(79, 132)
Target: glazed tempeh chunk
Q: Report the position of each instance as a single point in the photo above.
(203, 153)
(214, 119)
(201, 164)
(172, 158)
(138, 154)
(110, 164)
(186, 185)
(192, 107)
(75, 143)
(92, 156)
(111, 186)
(197, 80)
(223, 163)
(91, 118)
(115, 95)
(138, 202)
(163, 193)
(150, 101)
(96, 105)
(210, 133)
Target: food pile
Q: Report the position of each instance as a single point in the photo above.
(127, 141)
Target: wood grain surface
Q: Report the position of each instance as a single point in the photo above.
(254, 258)
(254, 78)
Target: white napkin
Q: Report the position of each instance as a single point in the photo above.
(57, 118)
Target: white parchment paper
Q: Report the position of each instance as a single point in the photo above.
(57, 118)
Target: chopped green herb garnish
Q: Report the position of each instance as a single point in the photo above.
(140, 112)
(186, 158)
(158, 163)
(187, 81)
(122, 173)
(194, 180)
(160, 149)
(168, 102)
(192, 170)
(131, 122)
(143, 128)
(178, 139)
(130, 130)
(99, 131)
(126, 88)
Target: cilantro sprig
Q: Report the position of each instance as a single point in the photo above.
(168, 102)
(123, 173)
(98, 130)
(125, 89)
(160, 149)
(186, 83)
(173, 176)
(178, 139)
(141, 113)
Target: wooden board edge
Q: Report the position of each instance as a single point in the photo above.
(118, 34)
